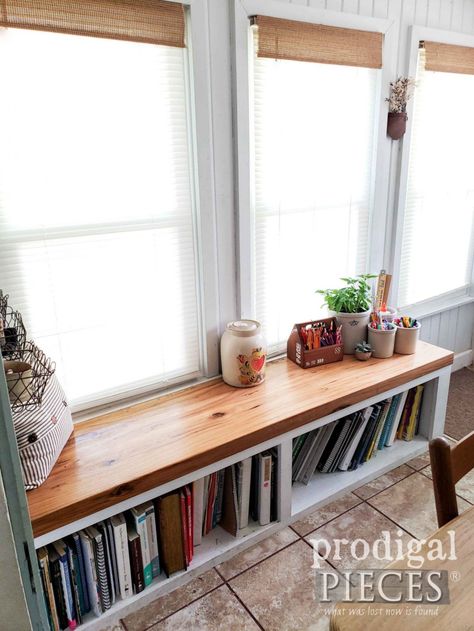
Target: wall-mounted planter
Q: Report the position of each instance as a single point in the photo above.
(396, 124)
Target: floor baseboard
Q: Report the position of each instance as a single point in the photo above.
(462, 360)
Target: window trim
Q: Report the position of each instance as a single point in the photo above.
(243, 10)
(457, 296)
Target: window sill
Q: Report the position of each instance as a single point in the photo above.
(433, 307)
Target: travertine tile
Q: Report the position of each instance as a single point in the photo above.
(214, 612)
(113, 627)
(419, 462)
(381, 483)
(256, 553)
(361, 522)
(168, 604)
(411, 504)
(464, 488)
(280, 591)
(325, 514)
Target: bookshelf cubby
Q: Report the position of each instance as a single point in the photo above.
(110, 465)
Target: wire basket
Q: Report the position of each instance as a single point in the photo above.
(3, 304)
(27, 373)
(14, 332)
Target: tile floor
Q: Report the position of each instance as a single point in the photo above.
(270, 586)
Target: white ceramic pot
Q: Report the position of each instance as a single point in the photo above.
(243, 354)
(407, 339)
(354, 329)
(382, 341)
(389, 315)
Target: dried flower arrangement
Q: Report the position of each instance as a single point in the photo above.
(401, 91)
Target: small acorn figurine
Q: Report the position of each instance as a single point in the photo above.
(363, 351)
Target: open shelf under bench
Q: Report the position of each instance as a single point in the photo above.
(122, 458)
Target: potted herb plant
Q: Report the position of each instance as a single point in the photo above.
(400, 93)
(351, 306)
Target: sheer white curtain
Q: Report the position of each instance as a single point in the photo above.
(313, 164)
(438, 231)
(97, 245)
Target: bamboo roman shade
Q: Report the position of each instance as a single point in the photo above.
(448, 58)
(150, 21)
(302, 41)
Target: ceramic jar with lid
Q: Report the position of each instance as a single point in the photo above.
(243, 354)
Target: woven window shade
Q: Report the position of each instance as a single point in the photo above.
(301, 41)
(150, 21)
(448, 58)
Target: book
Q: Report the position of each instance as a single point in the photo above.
(217, 510)
(336, 429)
(189, 519)
(365, 438)
(354, 422)
(307, 467)
(406, 413)
(352, 448)
(43, 560)
(389, 421)
(101, 566)
(168, 509)
(297, 445)
(119, 527)
(57, 584)
(211, 498)
(340, 434)
(378, 430)
(317, 450)
(102, 528)
(152, 537)
(184, 526)
(396, 419)
(380, 442)
(138, 514)
(83, 593)
(274, 485)
(198, 499)
(264, 488)
(75, 578)
(375, 421)
(412, 420)
(254, 484)
(60, 548)
(230, 514)
(303, 456)
(244, 472)
(113, 557)
(136, 561)
(91, 573)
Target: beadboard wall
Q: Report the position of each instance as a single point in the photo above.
(451, 328)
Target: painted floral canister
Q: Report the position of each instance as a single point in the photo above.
(243, 354)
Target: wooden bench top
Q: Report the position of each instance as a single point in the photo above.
(121, 454)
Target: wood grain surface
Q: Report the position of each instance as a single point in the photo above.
(121, 454)
(455, 616)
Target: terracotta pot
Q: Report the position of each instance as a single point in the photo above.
(396, 124)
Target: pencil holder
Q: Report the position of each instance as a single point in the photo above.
(297, 352)
(382, 341)
(389, 315)
(407, 339)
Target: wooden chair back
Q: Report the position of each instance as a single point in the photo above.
(449, 463)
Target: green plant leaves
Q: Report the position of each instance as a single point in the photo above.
(354, 298)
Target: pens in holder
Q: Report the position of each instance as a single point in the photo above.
(406, 322)
(320, 334)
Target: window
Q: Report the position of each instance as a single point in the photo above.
(313, 163)
(97, 240)
(438, 231)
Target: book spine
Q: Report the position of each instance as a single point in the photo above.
(184, 527)
(264, 495)
(59, 595)
(123, 559)
(48, 593)
(153, 541)
(140, 525)
(67, 590)
(82, 573)
(76, 587)
(189, 522)
(91, 575)
(198, 497)
(136, 564)
(102, 578)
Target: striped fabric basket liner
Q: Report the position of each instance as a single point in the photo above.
(41, 434)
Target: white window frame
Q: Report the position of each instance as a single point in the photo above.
(243, 10)
(457, 297)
